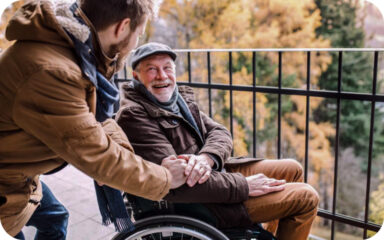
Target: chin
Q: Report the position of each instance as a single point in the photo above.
(163, 98)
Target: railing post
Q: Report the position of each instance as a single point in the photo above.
(307, 117)
(209, 84)
(254, 119)
(337, 139)
(279, 107)
(189, 68)
(230, 96)
(371, 133)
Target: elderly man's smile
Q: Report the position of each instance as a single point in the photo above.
(161, 86)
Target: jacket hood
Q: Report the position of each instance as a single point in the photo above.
(44, 21)
(47, 21)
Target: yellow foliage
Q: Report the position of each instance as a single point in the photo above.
(239, 143)
(259, 24)
(376, 206)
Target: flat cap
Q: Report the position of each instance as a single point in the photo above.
(149, 49)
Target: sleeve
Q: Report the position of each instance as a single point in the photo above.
(219, 188)
(52, 107)
(149, 141)
(216, 162)
(218, 140)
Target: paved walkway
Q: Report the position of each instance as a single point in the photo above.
(76, 192)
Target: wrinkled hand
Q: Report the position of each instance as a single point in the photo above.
(199, 168)
(260, 184)
(176, 167)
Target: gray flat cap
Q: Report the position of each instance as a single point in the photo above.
(149, 49)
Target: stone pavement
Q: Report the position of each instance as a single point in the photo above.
(76, 192)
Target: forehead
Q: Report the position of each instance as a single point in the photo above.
(157, 59)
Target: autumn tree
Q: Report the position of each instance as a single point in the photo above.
(248, 24)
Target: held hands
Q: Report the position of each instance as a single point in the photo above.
(260, 185)
(199, 168)
(176, 167)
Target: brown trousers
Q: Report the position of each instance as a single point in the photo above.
(295, 207)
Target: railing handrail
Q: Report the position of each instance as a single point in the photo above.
(281, 50)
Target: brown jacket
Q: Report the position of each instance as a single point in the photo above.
(156, 133)
(47, 118)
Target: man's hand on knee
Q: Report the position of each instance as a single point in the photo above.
(176, 167)
(260, 184)
(199, 168)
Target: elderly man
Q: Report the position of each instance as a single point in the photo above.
(56, 102)
(161, 120)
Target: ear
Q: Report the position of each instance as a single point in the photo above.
(134, 74)
(122, 27)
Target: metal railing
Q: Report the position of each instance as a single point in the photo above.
(338, 95)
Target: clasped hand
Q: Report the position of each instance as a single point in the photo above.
(188, 168)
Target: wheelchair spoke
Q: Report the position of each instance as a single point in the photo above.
(171, 228)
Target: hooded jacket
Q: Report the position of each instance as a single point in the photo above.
(156, 133)
(47, 115)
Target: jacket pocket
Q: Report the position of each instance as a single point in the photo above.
(182, 140)
(10, 182)
(14, 193)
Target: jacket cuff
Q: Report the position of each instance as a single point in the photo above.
(167, 186)
(244, 194)
(217, 166)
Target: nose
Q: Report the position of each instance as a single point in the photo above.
(161, 74)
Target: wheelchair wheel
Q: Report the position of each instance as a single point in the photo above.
(171, 227)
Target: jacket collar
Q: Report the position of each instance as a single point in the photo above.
(70, 17)
(105, 64)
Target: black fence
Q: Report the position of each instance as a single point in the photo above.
(338, 95)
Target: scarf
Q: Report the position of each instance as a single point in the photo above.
(175, 104)
(110, 200)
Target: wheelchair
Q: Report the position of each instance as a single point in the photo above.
(157, 221)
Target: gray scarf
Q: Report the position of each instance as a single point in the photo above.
(175, 105)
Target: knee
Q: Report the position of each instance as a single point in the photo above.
(310, 196)
(62, 214)
(62, 222)
(65, 213)
(294, 168)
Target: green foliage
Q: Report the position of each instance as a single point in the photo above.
(339, 25)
